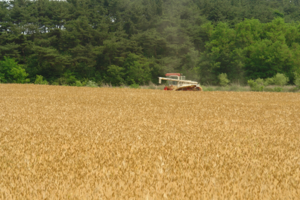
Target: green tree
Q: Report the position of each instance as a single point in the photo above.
(138, 70)
(115, 75)
(12, 72)
(223, 80)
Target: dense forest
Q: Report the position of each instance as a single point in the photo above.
(135, 41)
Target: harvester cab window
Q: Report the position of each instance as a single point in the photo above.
(173, 82)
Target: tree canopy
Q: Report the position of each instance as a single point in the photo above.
(135, 41)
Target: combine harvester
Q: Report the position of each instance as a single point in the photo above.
(177, 82)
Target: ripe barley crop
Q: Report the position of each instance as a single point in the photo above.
(108, 143)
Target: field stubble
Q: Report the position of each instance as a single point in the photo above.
(109, 143)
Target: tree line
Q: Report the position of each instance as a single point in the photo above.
(135, 41)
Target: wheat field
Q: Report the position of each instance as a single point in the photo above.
(112, 143)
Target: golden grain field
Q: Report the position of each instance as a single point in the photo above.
(110, 143)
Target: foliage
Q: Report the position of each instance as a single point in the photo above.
(251, 50)
(54, 83)
(260, 81)
(269, 81)
(138, 70)
(12, 72)
(255, 85)
(223, 80)
(297, 79)
(115, 75)
(39, 80)
(297, 82)
(68, 78)
(280, 79)
(78, 83)
(91, 84)
(128, 41)
(277, 89)
(134, 85)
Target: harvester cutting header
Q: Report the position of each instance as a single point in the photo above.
(177, 82)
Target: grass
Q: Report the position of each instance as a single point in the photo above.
(232, 87)
(239, 88)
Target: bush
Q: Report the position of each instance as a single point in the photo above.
(134, 86)
(62, 81)
(12, 72)
(54, 83)
(269, 81)
(39, 80)
(84, 82)
(2, 77)
(91, 84)
(78, 83)
(280, 79)
(260, 82)
(277, 89)
(297, 82)
(223, 80)
(69, 78)
(115, 75)
(255, 86)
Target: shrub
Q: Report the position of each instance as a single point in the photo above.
(54, 83)
(255, 86)
(61, 81)
(223, 80)
(115, 75)
(280, 79)
(69, 78)
(84, 82)
(12, 72)
(269, 81)
(260, 81)
(91, 84)
(39, 80)
(78, 83)
(205, 88)
(2, 77)
(277, 89)
(134, 86)
(297, 82)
